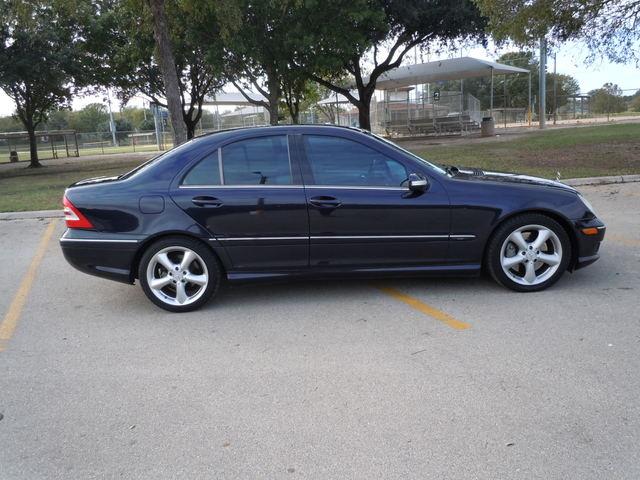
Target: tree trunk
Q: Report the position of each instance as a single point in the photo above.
(33, 147)
(167, 64)
(274, 103)
(191, 128)
(364, 108)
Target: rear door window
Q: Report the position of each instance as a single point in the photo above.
(257, 161)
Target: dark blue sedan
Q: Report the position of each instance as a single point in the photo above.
(292, 201)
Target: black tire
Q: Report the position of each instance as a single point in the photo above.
(494, 253)
(213, 270)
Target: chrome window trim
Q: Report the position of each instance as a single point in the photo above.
(357, 187)
(240, 186)
(103, 240)
(312, 187)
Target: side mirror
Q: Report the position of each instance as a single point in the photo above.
(417, 183)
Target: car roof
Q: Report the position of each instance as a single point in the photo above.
(243, 131)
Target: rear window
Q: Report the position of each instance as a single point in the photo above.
(205, 172)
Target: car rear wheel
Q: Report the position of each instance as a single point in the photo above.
(179, 274)
(529, 253)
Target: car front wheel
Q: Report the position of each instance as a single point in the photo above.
(529, 253)
(179, 274)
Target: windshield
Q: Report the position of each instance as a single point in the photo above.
(413, 155)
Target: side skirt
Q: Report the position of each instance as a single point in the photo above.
(466, 270)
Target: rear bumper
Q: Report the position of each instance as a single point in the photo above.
(588, 245)
(109, 258)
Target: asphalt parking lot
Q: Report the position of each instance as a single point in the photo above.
(424, 379)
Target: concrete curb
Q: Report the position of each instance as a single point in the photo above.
(574, 182)
(31, 215)
(579, 182)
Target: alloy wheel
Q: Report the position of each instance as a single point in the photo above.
(177, 276)
(531, 255)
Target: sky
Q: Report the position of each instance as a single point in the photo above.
(570, 61)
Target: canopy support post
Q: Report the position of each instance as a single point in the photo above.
(529, 112)
(491, 96)
(504, 93)
(461, 104)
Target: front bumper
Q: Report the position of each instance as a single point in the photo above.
(110, 258)
(588, 246)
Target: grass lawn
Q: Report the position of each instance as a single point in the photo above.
(574, 152)
(42, 188)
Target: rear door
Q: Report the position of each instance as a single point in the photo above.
(362, 215)
(248, 193)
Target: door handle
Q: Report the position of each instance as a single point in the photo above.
(325, 201)
(205, 201)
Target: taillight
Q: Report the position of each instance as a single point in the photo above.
(73, 216)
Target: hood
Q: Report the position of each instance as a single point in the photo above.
(475, 174)
(94, 181)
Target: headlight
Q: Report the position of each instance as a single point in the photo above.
(587, 204)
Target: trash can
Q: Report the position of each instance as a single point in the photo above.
(13, 156)
(488, 127)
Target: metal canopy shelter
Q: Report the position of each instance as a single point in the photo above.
(449, 69)
(223, 99)
(233, 98)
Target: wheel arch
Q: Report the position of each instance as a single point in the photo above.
(135, 264)
(561, 219)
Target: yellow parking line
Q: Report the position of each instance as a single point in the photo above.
(426, 309)
(10, 320)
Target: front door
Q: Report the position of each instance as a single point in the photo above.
(362, 215)
(249, 195)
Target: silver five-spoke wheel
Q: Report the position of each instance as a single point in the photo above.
(531, 254)
(177, 276)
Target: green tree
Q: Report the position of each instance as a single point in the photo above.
(58, 119)
(299, 94)
(138, 118)
(634, 102)
(10, 124)
(92, 118)
(366, 38)
(124, 41)
(42, 58)
(259, 45)
(607, 99)
(608, 27)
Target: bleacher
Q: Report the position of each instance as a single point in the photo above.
(443, 125)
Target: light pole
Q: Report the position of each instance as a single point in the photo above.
(543, 83)
(112, 124)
